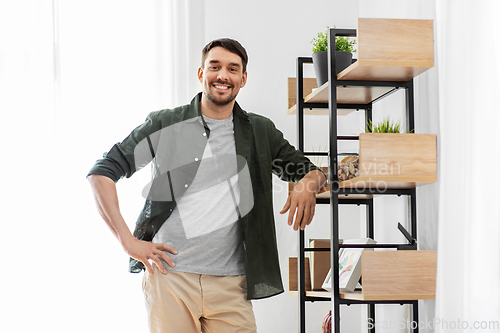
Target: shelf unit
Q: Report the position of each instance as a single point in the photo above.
(374, 76)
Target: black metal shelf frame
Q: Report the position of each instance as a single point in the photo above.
(335, 191)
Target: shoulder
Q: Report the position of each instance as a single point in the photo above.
(166, 117)
(262, 126)
(260, 120)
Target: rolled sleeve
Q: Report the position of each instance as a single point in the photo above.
(289, 164)
(120, 160)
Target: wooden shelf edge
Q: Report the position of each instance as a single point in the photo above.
(325, 194)
(359, 296)
(319, 112)
(386, 182)
(311, 98)
(401, 71)
(319, 293)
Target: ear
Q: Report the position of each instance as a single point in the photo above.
(200, 74)
(244, 80)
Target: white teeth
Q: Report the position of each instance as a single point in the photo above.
(221, 87)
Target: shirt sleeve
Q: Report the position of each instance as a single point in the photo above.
(122, 160)
(289, 164)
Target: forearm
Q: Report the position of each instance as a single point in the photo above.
(106, 198)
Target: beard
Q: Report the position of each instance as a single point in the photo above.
(219, 102)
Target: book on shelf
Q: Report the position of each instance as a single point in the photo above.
(320, 262)
(349, 266)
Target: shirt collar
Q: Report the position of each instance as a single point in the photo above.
(194, 112)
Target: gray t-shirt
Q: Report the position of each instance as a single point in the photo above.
(204, 227)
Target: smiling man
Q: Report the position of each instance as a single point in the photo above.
(222, 74)
(206, 235)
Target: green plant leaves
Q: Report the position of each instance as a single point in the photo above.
(320, 43)
(386, 126)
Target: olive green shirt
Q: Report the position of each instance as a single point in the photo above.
(264, 151)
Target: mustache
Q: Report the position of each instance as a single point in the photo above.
(222, 82)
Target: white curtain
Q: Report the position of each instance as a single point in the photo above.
(181, 23)
(468, 286)
(76, 77)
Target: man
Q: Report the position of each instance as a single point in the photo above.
(209, 205)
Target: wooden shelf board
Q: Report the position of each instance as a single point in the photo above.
(321, 294)
(391, 50)
(386, 182)
(345, 95)
(318, 112)
(383, 71)
(326, 195)
(348, 95)
(359, 296)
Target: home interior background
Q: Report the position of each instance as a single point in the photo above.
(71, 82)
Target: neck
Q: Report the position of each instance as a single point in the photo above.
(214, 111)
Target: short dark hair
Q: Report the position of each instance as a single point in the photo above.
(229, 44)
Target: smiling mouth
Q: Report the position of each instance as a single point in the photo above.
(222, 87)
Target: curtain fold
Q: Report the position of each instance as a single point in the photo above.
(468, 284)
(180, 38)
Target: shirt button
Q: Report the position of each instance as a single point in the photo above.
(186, 185)
(204, 134)
(196, 159)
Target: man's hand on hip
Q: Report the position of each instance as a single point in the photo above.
(146, 251)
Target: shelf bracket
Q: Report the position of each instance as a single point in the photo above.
(407, 235)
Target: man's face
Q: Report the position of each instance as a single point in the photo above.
(222, 76)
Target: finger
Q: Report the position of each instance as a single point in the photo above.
(286, 206)
(159, 264)
(148, 267)
(166, 247)
(167, 258)
(306, 217)
(313, 211)
(291, 213)
(298, 218)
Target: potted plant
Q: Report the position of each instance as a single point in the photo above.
(344, 47)
(343, 55)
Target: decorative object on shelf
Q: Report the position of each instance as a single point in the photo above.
(344, 48)
(327, 323)
(349, 266)
(348, 168)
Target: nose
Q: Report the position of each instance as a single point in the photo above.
(223, 74)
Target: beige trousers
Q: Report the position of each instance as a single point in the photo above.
(181, 302)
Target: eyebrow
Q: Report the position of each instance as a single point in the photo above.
(230, 64)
